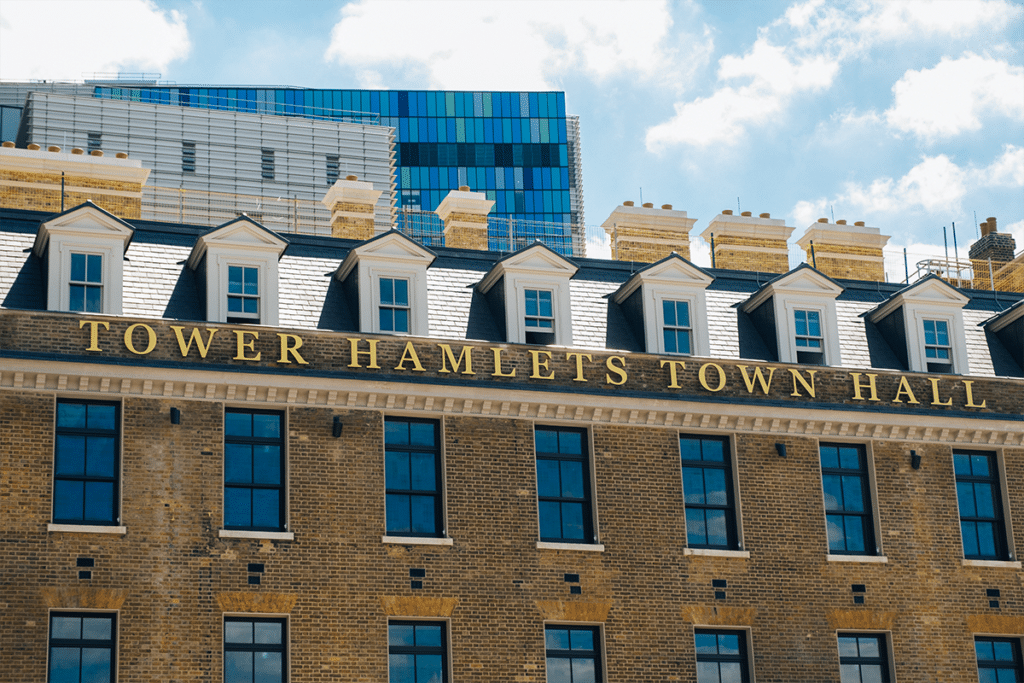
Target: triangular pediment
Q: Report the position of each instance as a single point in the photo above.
(87, 221)
(801, 281)
(240, 234)
(392, 246)
(671, 271)
(536, 259)
(931, 291)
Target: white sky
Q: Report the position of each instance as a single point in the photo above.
(908, 115)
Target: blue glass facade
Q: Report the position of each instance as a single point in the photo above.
(511, 145)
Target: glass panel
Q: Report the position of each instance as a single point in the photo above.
(548, 480)
(428, 635)
(102, 417)
(78, 267)
(396, 470)
(984, 500)
(421, 433)
(1007, 676)
(559, 670)
(423, 514)
(572, 521)
(729, 643)
(835, 532)
(980, 465)
(67, 500)
(397, 512)
(99, 501)
(71, 415)
(871, 673)
(849, 673)
(266, 510)
(401, 634)
(402, 292)
(237, 507)
(987, 676)
(853, 495)
(387, 291)
(96, 665)
(252, 281)
(965, 498)
(544, 303)
(832, 485)
(869, 647)
(401, 320)
(969, 533)
(714, 487)
(238, 632)
(396, 433)
(829, 457)
(530, 302)
(238, 424)
(268, 667)
(556, 639)
(267, 426)
(847, 646)
(94, 268)
(706, 643)
(546, 441)
(813, 324)
(570, 443)
(693, 485)
(668, 310)
(855, 541)
(730, 672)
(237, 463)
(70, 457)
(68, 628)
(961, 464)
(707, 672)
(581, 639)
(234, 280)
(550, 519)
(237, 667)
(696, 532)
(402, 668)
(714, 450)
(100, 458)
(428, 668)
(717, 529)
(689, 449)
(266, 464)
(849, 458)
(64, 664)
(683, 313)
(986, 539)
(800, 321)
(1003, 651)
(268, 633)
(572, 479)
(583, 671)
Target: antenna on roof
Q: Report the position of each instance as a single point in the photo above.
(641, 196)
(832, 211)
(977, 230)
(738, 206)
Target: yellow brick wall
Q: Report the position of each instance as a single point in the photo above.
(464, 237)
(1009, 277)
(828, 258)
(46, 197)
(352, 228)
(637, 244)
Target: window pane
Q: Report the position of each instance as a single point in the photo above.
(583, 671)
(693, 486)
(71, 415)
(268, 632)
(855, 541)
(401, 320)
(396, 470)
(428, 635)
(70, 456)
(266, 464)
(95, 665)
(238, 463)
(267, 426)
(717, 528)
(714, 487)
(237, 507)
(268, 667)
(546, 441)
(980, 465)
(728, 643)
(387, 291)
(572, 479)
(696, 531)
(93, 300)
(689, 448)
(853, 496)
(401, 634)
(94, 268)
(66, 628)
(402, 292)
(237, 667)
(101, 416)
(238, 424)
(581, 639)
(78, 267)
(234, 280)
(829, 457)
(849, 673)
(556, 639)
(422, 513)
(965, 499)
(252, 281)
(707, 672)
(68, 500)
(570, 443)
(868, 647)
(238, 631)
(64, 664)
(266, 508)
(548, 480)
(984, 500)
(398, 515)
(387, 320)
(421, 433)
(730, 672)
(99, 501)
(396, 432)
(559, 670)
(572, 521)
(99, 460)
(668, 310)
(1003, 651)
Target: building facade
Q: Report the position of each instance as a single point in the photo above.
(232, 454)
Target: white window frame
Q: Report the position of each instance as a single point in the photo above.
(527, 327)
(515, 307)
(241, 316)
(393, 305)
(917, 353)
(85, 283)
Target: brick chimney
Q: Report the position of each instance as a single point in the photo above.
(747, 243)
(31, 179)
(464, 214)
(351, 202)
(646, 234)
(853, 252)
(995, 249)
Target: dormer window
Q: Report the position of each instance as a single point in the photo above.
(239, 263)
(386, 282)
(84, 252)
(937, 350)
(243, 294)
(808, 337)
(394, 304)
(677, 332)
(528, 292)
(86, 283)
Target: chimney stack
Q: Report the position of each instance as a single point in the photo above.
(351, 202)
(646, 234)
(748, 243)
(464, 215)
(997, 249)
(852, 252)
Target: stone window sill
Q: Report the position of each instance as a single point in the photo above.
(585, 547)
(714, 552)
(416, 540)
(261, 535)
(87, 529)
(998, 564)
(869, 559)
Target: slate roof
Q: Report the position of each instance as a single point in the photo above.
(158, 284)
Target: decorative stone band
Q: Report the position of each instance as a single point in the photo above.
(719, 615)
(83, 597)
(574, 610)
(418, 606)
(262, 602)
(860, 620)
(995, 623)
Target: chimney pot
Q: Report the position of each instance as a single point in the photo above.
(992, 224)
(121, 155)
(33, 147)
(746, 213)
(859, 224)
(8, 144)
(648, 205)
(667, 207)
(627, 203)
(823, 220)
(96, 152)
(351, 177)
(983, 226)
(77, 150)
(766, 215)
(841, 221)
(726, 212)
(463, 188)
(53, 148)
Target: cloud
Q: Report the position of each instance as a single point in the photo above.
(503, 45)
(803, 52)
(40, 39)
(951, 97)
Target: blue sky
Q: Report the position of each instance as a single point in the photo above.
(907, 115)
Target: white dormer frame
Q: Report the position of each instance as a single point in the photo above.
(671, 279)
(389, 255)
(85, 229)
(929, 299)
(241, 242)
(535, 267)
(802, 289)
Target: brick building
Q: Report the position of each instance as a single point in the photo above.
(234, 455)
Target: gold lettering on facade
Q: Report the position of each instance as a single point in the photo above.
(497, 364)
(242, 345)
(291, 349)
(150, 339)
(857, 386)
(539, 364)
(936, 401)
(797, 377)
(196, 337)
(759, 377)
(673, 367)
(904, 388)
(447, 356)
(94, 335)
(702, 376)
(409, 356)
(372, 353)
(579, 364)
(619, 370)
(969, 388)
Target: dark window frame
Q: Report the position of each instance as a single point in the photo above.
(1016, 665)
(867, 516)
(575, 653)
(333, 166)
(188, 157)
(86, 432)
(587, 501)
(93, 141)
(416, 650)
(742, 658)
(282, 647)
(268, 170)
(882, 660)
(81, 643)
(437, 494)
(282, 487)
(998, 523)
(729, 509)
